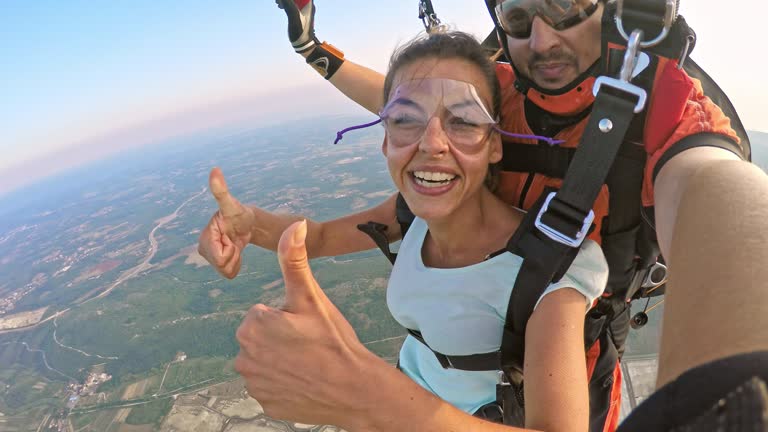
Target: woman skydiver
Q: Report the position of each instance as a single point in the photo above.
(453, 277)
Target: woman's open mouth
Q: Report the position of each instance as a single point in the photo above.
(429, 179)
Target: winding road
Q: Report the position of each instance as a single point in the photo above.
(45, 361)
(126, 275)
(145, 265)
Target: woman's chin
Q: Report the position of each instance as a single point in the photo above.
(431, 202)
(429, 211)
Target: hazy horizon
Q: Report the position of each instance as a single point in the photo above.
(87, 82)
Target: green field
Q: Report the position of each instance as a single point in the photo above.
(23, 389)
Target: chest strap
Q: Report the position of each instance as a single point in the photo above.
(473, 362)
(553, 161)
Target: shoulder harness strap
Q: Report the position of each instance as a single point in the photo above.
(377, 231)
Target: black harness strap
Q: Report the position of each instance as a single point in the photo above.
(551, 161)
(472, 362)
(621, 230)
(604, 133)
(647, 15)
(544, 259)
(377, 232)
(403, 214)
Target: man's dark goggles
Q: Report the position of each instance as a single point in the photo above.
(516, 16)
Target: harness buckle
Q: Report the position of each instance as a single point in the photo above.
(624, 86)
(627, 68)
(503, 380)
(556, 235)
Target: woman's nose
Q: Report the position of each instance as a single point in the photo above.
(435, 139)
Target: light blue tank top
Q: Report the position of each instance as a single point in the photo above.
(460, 311)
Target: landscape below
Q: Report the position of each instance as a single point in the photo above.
(111, 321)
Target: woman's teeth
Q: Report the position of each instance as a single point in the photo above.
(432, 179)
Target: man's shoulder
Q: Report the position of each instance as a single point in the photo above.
(679, 107)
(505, 71)
(509, 95)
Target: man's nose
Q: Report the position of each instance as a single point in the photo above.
(543, 37)
(435, 140)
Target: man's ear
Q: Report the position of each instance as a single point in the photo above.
(384, 146)
(496, 150)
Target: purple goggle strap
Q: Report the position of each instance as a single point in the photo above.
(340, 134)
(548, 140)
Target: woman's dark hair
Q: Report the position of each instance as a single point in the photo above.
(450, 45)
(445, 45)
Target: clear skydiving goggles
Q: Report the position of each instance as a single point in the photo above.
(516, 16)
(463, 116)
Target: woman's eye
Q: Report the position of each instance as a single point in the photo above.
(463, 122)
(404, 120)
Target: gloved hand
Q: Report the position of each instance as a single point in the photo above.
(301, 23)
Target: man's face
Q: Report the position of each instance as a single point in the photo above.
(553, 59)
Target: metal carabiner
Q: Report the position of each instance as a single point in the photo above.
(689, 40)
(670, 14)
(630, 55)
(428, 16)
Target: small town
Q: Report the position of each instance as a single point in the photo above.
(8, 303)
(87, 388)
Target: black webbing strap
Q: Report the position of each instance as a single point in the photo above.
(545, 259)
(638, 14)
(551, 161)
(472, 362)
(623, 235)
(646, 15)
(403, 214)
(611, 115)
(377, 232)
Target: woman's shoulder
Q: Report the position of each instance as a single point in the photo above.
(590, 259)
(589, 270)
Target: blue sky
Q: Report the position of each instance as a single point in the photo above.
(75, 70)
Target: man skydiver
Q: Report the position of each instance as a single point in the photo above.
(556, 56)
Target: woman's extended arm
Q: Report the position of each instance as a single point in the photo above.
(361, 84)
(555, 371)
(335, 237)
(235, 226)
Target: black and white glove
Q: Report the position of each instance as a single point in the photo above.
(301, 23)
(325, 58)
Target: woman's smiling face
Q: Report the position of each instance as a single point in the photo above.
(435, 173)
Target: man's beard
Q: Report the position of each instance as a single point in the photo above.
(558, 56)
